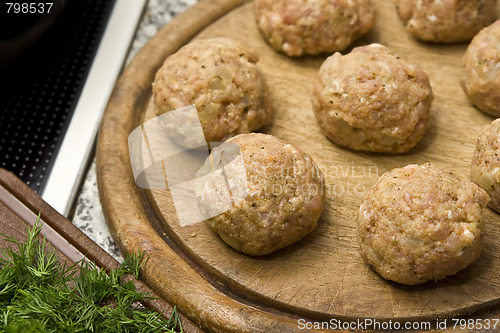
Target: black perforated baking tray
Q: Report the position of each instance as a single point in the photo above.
(39, 89)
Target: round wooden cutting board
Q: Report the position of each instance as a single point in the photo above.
(322, 278)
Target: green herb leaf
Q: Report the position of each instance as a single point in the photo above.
(40, 293)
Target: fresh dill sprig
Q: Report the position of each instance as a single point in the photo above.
(40, 293)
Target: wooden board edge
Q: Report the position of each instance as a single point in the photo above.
(74, 236)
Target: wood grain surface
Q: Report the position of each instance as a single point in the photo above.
(322, 276)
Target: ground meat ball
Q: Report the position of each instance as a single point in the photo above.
(420, 223)
(446, 21)
(282, 201)
(372, 100)
(220, 77)
(486, 162)
(299, 27)
(481, 80)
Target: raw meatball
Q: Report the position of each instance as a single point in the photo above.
(481, 81)
(420, 223)
(220, 77)
(281, 196)
(446, 21)
(486, 162)
(299, 27)
(372, 100)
